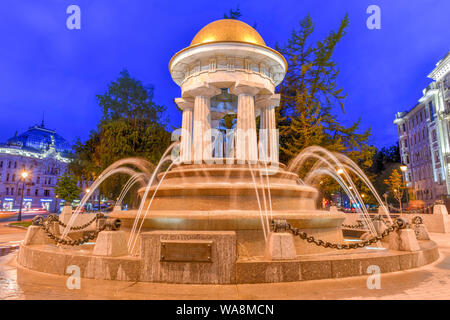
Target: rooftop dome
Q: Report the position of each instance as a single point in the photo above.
(228, 30)
(39, 138)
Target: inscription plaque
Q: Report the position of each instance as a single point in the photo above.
(186, 250)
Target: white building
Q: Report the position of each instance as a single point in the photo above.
(44, 155)
(424, 138)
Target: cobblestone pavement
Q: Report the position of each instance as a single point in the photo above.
(428, 282)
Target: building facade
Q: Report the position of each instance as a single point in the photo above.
(424, 138)
(43, 155)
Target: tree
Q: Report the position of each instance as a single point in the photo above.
(396, 186)
(309, 95)
(233, 14)
(67, 188)
(131, 125)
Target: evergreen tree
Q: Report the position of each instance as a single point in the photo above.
(309, 96)
(66, 188)
(233, 14)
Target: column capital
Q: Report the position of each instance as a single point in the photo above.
(267, 100)
(249, 88)
(184, 103)
(204, 89)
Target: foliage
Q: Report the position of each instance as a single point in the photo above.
(130, 126)
(67, 188)
(309, 94)
(233, 14)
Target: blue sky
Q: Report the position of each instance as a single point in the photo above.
(44, 67)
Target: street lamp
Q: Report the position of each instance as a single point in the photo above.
(403, 168)
(340, 171)
(24, 176)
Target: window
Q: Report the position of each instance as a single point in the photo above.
(9, 164)
(28, 192)
(7, 177)
(36, 192)
(434, 135)
(13, 177)
(38, 180)
(404, 130)
(46, 193)
(7, 191)
(15, 164)
(1, 164)
(430, 107)
(12, 191)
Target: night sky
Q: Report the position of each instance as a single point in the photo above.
(44, 67)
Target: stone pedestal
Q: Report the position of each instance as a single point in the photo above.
(403, 240)
(440, 209)
(383, 210)
(36, 235)
(280, 246)
(421, 232)
(161, 263)
(380, 227)
(111, 244)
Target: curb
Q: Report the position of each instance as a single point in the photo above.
(18, 227)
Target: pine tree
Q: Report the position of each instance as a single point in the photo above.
(310, 94)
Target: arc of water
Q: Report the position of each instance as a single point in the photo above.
(164, 158)
(311, 152)
(97, 182)
(352, 196)
(148, 207)
(138, 177)
(268, 191)
(264, 226)
(357, 170)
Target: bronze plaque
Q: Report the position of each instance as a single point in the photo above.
(186, 250)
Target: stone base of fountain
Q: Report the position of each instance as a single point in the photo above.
(149, 266)
(223, 197)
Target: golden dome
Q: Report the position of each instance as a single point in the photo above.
(228, 30)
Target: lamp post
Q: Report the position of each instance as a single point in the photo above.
(403, 169)
(24, 176)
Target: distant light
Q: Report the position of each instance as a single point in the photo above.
(24, 174)
(340, 171)
(87, 190)
(403, 168)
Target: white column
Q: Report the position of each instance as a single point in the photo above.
(202, 121)
(267, 105)
(246, 142)
(186, 129)
(273, 135)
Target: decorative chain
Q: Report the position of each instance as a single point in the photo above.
(359, 225)
(114, 224)
(53, 217)
(397, 225)
(85, 238)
